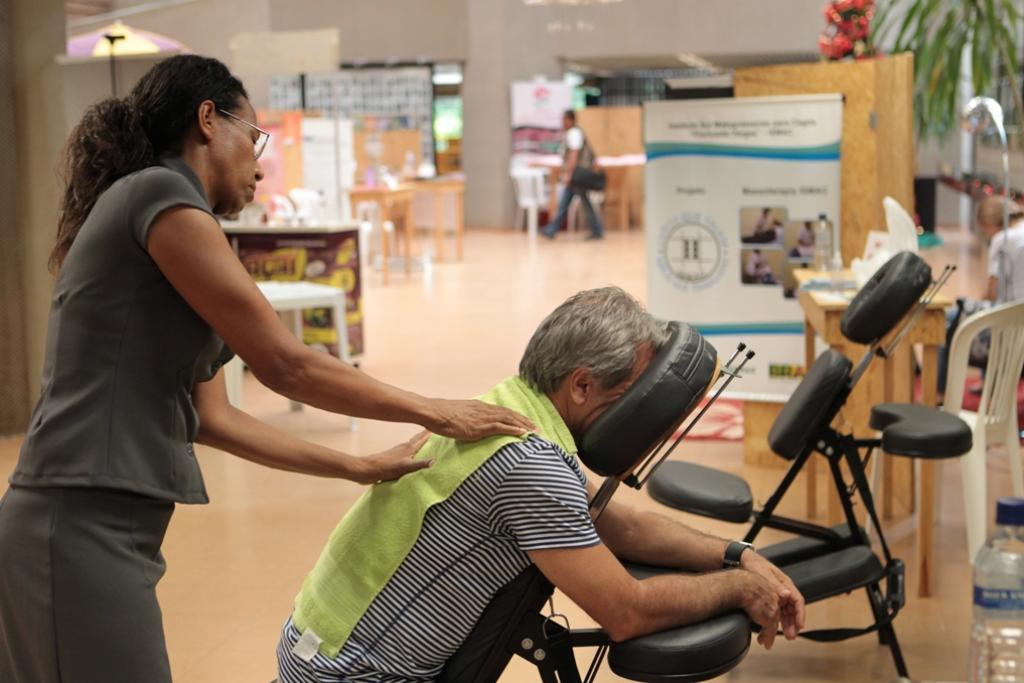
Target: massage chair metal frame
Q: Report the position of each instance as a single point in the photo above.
(624, 449)
(825, 562)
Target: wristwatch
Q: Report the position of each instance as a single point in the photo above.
(733, 552)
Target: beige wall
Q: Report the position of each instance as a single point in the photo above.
(205, 26)
(13, 373)
(380, 30)
(84, 83)
(37, 35)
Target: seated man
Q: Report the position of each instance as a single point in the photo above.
(411, 567)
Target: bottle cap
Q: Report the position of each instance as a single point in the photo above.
(822, 217)
(1010, 511)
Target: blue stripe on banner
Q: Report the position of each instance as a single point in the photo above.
(752, 328)
(656, 150)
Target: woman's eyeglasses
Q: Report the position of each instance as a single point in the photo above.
(260, 143)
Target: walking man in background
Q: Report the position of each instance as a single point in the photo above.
(578, 177)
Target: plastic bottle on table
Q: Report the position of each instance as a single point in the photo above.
(836, 268)
(997, 634)
(822, 245)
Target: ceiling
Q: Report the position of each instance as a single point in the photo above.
(82, 9)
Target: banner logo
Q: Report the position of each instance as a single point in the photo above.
(691, 251)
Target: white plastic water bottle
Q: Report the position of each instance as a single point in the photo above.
(997, 635)
(822, 245)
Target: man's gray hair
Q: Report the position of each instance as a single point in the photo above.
(597, 329)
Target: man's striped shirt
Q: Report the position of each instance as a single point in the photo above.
(527, 496)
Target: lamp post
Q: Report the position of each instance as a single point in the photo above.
(981, 115)
(113, 38)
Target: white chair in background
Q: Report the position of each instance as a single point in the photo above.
(996, 419)
(374, 236)
(307, 204)
(530, 196)
(290, 298)
(282, 210)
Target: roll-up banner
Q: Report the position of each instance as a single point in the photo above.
(735, 188)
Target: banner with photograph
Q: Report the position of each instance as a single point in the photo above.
(734, 188)
(537, 108)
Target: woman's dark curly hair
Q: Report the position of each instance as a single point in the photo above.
(120, 136)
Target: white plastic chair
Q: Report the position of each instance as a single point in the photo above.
(996, 419)
(375, 236)
(306, 203)
(290, 298)
(529, 190)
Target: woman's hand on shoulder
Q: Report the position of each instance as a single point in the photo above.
(392, 463)
(474, 420)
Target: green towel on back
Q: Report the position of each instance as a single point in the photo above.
(374, 538)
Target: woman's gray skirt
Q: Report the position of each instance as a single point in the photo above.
(78, 575)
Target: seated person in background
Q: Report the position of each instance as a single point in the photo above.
(1006, 247)
(412, 566)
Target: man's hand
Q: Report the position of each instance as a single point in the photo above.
(790, 601)
(761, 603)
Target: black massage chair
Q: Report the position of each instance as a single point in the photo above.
(825, 562)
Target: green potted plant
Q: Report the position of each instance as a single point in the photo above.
(937, 32)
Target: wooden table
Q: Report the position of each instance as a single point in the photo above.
(395, 205)
(440, 188)
(886, 381)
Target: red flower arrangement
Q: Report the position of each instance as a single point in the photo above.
(849, 29)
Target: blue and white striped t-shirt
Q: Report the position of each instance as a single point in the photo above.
(527, 496)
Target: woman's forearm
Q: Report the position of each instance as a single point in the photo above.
(237, 432)
(320, 380)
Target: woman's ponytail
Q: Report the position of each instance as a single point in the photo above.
(107, 144)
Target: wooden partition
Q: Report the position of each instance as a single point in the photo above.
(615, 131)
(394, 144)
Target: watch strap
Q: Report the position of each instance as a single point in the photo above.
(733, 553)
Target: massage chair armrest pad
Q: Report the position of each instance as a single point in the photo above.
(702, 490)
(695, 652)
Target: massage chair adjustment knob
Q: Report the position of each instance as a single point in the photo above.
(527, 643)
(539, 654)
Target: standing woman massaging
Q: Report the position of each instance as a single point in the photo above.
(147, 289)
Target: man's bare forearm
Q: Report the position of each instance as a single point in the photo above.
(675, 600)
(650, 538)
